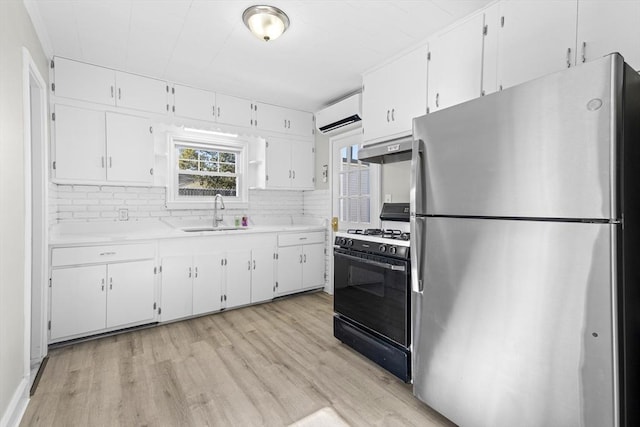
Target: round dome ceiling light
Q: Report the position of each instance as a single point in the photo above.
(266, 22)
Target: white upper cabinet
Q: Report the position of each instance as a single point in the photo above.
(193, 103)
(129, 148)
(393, 95)
(609, 26)
(490, 49)
(79, 150)
(285, 164)
(455, 64)
(302, 165)
(100, 85)
(141, 93)
(231, 110)
(94, 146)
(537, 37)
(85, 82)
(273, 118)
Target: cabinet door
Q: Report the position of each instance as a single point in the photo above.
(299, 122)
(271, 117)
(238, 278)
(78, 301)
(536, 37)
(231, 110)
(409, 99)
(611, 26)
(289, 269)
(84, 82)
(80, 144)
(129, 149)
(262, 274)
(278, 163)
(207, 282)
(177, 289)
(302, 165)
(313, 266)
(376, 103)
(141, 93)
(455, 67)
(130, 295)
(194, 103)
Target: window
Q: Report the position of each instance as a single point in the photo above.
(203, 167)
(356, 185)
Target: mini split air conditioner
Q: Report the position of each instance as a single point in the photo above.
(342, 115)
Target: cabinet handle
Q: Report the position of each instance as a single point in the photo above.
(112, 91)
(300, 258)
(107, 253)
(102, 283)
(222, 261)
(110, 162)
(387, 116)
(102, 161)
(294, 174)
(393, 114)
(584, 51)
(289, 173)
(437, 100)
(569, 57)
(254, 264)
(189, 271)
(218, 111)
(249, 265)
(196, 275)
(305, 258)
(119, 93)
(110, 282)
(289, 124)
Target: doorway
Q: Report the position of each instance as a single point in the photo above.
(36, 178)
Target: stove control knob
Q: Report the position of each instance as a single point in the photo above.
(393, 250)
(342, 241)
(382, 248)
(350, 242)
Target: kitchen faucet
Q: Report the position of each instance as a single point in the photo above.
(217, 220)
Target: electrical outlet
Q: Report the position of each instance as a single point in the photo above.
(387, 198)
(123, 214)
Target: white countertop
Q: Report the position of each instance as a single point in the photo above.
(111, 231)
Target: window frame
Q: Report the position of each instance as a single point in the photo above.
(237, 145)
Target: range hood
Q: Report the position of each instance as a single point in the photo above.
(395, 150)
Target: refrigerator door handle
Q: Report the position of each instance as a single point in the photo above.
(418, 230)
(417, 223)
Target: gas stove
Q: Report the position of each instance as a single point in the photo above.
(391, 241)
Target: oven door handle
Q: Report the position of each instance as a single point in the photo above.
(384, 265)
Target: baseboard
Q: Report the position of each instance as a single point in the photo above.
(17, 406)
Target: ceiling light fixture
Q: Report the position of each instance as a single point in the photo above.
(266, 22)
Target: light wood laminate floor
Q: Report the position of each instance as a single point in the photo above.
(265, 365)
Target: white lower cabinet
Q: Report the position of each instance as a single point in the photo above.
(197, 280)
(301, 262)
(191, 285)
(91, 299)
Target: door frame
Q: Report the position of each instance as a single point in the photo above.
(35, 147)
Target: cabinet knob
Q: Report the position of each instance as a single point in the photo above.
(584, 51)
(569, 57)
(387, 116)
(437, 100)
(393, 114)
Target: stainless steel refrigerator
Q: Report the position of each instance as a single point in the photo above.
(525, 233)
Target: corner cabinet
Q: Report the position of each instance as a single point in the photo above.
(284, 164)
(101, 288)
(393, 95)
(86, 82)
(301, 262)
(101, 147)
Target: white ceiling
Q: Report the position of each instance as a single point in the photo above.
(204, 43)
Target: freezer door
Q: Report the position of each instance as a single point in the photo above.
(545, 148)
(514, 324)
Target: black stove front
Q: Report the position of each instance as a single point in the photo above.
(372, 300)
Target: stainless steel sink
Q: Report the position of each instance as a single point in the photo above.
(200, 229)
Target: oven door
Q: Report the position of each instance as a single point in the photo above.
(373, 291)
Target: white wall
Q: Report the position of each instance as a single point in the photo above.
(16, 31)
(396, 180)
